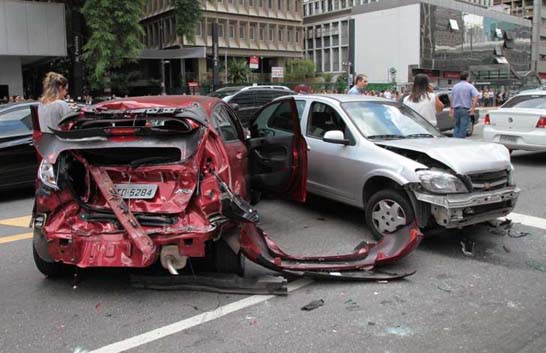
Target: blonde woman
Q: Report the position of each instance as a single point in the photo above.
(52, 107)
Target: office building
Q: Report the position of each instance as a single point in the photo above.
(29, 32)
(272, 30)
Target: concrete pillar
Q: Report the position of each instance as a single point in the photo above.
(202, 69)
(11, 74)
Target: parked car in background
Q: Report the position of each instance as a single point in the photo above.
(18, 163)
(445, 121)
(248, 100)
(383, 157)
(520, 123)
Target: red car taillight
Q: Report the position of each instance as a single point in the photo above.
(541, 124)
(486, 120)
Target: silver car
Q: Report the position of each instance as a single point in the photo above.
(383, 157)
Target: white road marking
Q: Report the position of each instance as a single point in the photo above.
(528, 220)
(185, 324)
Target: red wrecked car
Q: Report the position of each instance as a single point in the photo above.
(131, 182)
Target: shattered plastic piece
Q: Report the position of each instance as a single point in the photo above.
(505, 223)
(313, 305)
(467, 249)
(537, 265)
(517, 234)
(443, 287)
(352, 305)
(497, 231)
(399, 331)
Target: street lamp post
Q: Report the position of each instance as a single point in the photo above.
(348, 64)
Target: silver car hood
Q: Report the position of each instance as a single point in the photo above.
(463, 156)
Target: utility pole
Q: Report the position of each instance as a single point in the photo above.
(215, 75)
(163, 89)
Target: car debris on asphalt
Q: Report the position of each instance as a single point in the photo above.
(313, 305)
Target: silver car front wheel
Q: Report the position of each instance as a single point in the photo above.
(388, 216)
(387, 211)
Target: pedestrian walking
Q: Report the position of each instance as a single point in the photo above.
(423, 100)
(52, 107)
(361, 82)
(486, 97)
(465, 98)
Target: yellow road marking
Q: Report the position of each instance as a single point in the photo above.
(16, 222)
(13, 238)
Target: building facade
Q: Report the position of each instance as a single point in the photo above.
(534, 10)
(29, 32)
(440, 38)
(327, 31)
(269, 29)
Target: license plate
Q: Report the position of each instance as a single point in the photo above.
(136, 191)
(508, 138)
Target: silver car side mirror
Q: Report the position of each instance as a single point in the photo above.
(335, 136)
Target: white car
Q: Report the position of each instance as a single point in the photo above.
(520, 124)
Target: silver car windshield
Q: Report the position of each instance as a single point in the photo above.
(382, 120)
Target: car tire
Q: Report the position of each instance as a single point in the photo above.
(390, 203)
(49, 269)
(226, 260)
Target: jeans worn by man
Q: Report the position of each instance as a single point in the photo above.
(464, 98)
(462, 119)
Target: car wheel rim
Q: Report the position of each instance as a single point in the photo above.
(388, 216)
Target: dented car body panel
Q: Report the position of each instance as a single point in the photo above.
(132, 182)
(387, 146)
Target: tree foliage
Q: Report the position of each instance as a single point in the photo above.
(238, 71)
(114, 38)
(300, 69)
(188, 13)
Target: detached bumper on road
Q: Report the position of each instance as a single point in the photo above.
(459, 210)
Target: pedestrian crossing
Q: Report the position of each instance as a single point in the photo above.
(17, 222)
(23, 223)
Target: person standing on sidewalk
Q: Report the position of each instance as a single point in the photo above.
(361, 81)
(465, 98)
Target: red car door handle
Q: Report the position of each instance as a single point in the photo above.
(240, 155)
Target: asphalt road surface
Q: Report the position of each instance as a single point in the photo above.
(493, 301)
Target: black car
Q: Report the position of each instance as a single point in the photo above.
(19, 163)
(248, 100)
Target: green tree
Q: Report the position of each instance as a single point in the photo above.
(114, 36)
(341, 82)
(300, 69)
(238, 71)
(188, 13)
